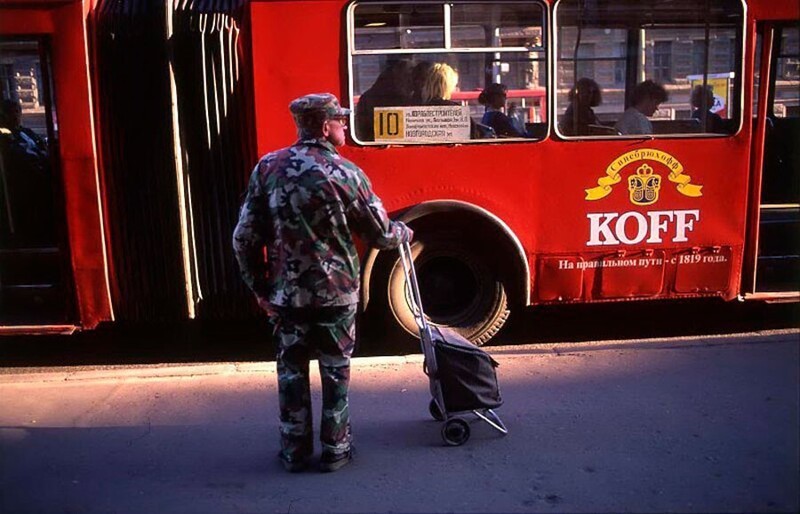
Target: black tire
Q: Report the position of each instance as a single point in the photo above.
(435, 411)
(455, 432)
(460, 288)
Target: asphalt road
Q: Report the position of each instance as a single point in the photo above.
(674, 425)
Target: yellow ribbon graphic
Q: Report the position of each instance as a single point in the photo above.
(612, 176)
(685, 187)
(604, 184)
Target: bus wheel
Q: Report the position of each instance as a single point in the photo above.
(460, 289)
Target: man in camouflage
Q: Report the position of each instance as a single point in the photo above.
(303, 203)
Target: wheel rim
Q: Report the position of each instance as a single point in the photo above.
(455, 432)
(458, 291)
(450, 287)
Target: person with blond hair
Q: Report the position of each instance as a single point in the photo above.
(436, 83)
(439, 84)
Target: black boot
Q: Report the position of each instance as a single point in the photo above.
(331, 462)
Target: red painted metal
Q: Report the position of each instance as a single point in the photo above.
(537, 188)
(774, 11)
(757, 162)
(64, 23)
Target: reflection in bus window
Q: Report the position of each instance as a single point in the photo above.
(34, 281)
(399, 52)
(26, 182)
(647, 96)
(787, 75)
(579, 119)
(682, 46)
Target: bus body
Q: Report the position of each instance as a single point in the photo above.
(549, 217)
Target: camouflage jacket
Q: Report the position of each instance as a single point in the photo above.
(302, 204)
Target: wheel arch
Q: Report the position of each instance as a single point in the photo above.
(519, 290)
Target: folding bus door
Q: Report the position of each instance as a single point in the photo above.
(35, 278)
(777, 271)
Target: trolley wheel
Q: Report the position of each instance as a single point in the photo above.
(455, 432)
(435, 411)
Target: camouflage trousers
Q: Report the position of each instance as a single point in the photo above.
(300, 334)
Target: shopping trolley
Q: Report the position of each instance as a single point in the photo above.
(462, 377)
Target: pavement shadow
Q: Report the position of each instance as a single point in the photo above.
(190, 468)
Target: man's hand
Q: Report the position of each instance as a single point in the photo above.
(408, 235)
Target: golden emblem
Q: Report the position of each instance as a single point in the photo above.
(644, 186)
(613, 176)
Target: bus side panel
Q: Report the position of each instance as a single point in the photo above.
(296, 51)
(697, 206)
(402, 176)
(688, 242)
(770, 10)
(26, 21)
(79, 164)
(539, 189)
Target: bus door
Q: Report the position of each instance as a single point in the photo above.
(35, 281)
(777, 266)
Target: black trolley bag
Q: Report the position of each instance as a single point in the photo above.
(462, 376)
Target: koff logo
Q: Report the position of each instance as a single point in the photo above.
(644, 186)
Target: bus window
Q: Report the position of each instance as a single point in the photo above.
(630, 67)
(447, 72)
(781, 180)
(787, 75)
(778, 257)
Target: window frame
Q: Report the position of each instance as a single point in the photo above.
(45, 54)
(545, 54)
(557, 110)
(778, 52)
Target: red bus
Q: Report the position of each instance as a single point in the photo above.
(152, 117)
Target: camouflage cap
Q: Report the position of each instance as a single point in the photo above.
(320, 102)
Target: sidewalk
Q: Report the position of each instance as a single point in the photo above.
(689, 425)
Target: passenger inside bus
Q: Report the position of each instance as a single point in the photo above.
(27, 185)
(579, 119)
(436, 87)
(24, 144)
(494, 98)
(418, 76)
(517, 118)
(646, 98)
(702, 101)
(393, 87)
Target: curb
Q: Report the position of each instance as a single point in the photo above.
(9, 376)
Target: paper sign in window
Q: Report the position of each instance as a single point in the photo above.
(423, 123)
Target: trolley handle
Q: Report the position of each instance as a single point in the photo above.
(411, 279)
